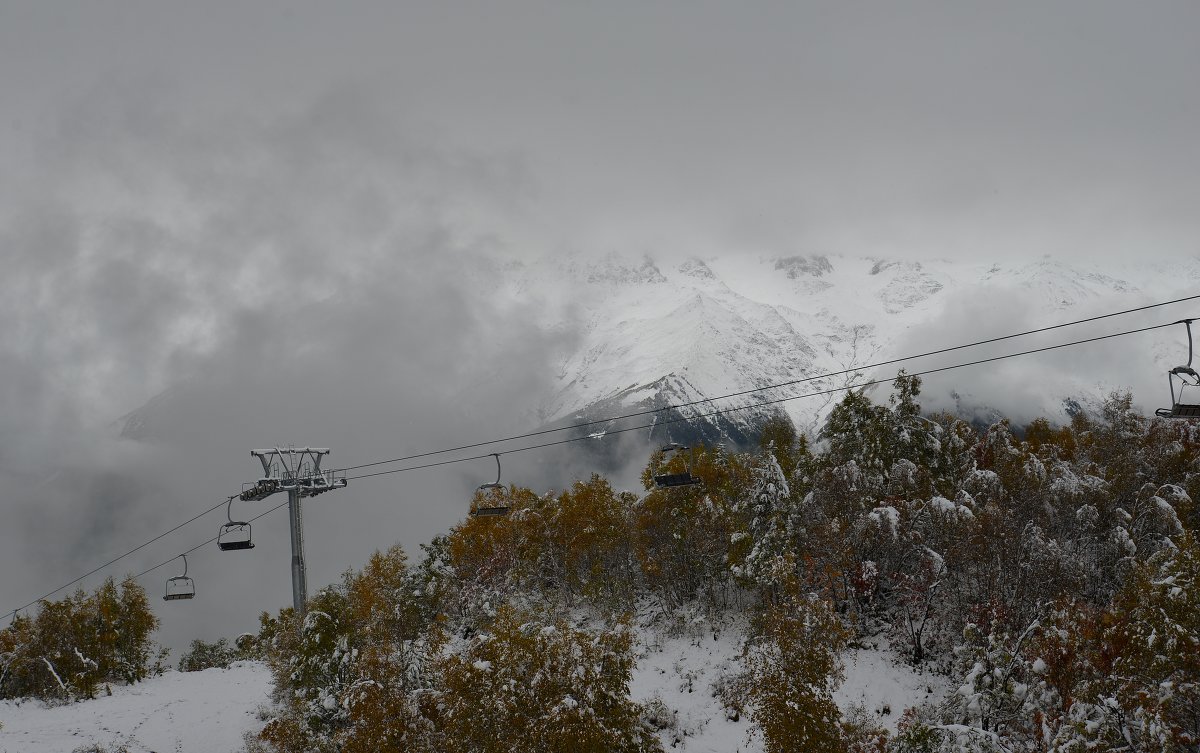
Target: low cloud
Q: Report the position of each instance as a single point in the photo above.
(177, 300)
(1040, 385)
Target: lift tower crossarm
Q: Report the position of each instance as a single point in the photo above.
(275, 450)
(297, 471)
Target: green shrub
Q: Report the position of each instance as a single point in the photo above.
(203, 655)
(74, 645)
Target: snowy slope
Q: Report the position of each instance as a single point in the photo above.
(675, 676)
(185, 712)
(681, 674)
(884, 687)
(210, 711)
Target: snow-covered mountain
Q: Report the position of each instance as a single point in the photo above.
(643, 332)
(655, 332)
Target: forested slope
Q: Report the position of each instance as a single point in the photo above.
(1051, 578)
(1047, 576)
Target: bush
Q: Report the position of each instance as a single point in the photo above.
(531, 685)
(792, 669)
(203, 655)
(351, 675)
(74, 645)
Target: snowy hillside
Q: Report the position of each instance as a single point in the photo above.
(185, 712)
(679, 674)
(210, 711)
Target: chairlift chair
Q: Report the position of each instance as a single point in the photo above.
(481, 511)
(181, 586)
(235, 534)
(1180, 409)
(670, 480)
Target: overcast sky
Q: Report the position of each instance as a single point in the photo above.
(272, 203)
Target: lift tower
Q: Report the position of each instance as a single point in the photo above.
(297, 471)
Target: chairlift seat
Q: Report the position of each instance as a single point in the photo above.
(180, 587)
(1180, 410)
(676, 479)
(234, 536)
(481, 512)
(497, 508)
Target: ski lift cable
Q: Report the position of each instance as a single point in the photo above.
(844, 372)
(117, 559)
(776, 401)
(529, 435)
(201, 545)
(152, 569)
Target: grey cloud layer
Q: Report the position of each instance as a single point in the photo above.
(899, 128)
(314, 279)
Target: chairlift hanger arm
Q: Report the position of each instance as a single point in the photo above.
(1186, 369)
(1188, 323)
(495, 484)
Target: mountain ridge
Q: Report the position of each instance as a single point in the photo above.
(652, 332)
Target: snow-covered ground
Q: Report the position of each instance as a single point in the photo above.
(680, 676)
(878, 681)
(210, 711)
(180, 712)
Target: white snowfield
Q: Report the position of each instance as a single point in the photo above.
(881, 683)
(681, 674)
(210, 711)
(677, 329)
(179, 712)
